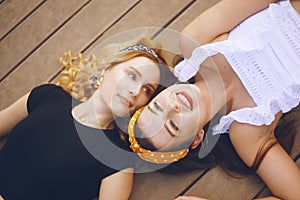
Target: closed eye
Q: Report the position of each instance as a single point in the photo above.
(173, 125)
(171, 128)
(157, 107)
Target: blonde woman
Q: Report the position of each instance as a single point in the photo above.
(45, 155)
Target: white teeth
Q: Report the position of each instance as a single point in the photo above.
(185, 101)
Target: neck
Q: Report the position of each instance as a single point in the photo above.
(94, 113)
(214, 92)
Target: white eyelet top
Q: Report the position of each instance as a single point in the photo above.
(264, 51)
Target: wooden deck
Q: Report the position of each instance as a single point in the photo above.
(33, 35)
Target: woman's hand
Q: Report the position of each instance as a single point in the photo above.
(189, 198)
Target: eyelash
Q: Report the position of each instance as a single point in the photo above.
(147, 90)
(157, 106)
(173, 125)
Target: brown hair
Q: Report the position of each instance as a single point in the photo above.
(224, 154)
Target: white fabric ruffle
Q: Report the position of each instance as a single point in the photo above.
(264, 51)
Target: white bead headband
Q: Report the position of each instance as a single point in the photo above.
(139, 47)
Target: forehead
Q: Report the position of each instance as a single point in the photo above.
(145, 66)
(141, 62)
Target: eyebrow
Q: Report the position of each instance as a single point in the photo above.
(140, 75)
(134, 69)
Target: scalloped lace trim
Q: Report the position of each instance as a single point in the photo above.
(283, 96)
(261, 115)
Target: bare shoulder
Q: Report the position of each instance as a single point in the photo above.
(247, 139)
(252, 131)
(241, 133)
(296, 5)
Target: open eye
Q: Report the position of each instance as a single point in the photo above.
(147, 90)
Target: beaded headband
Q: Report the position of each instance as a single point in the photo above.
(139, 47)
(151, 156)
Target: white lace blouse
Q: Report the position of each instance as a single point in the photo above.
(264, 51)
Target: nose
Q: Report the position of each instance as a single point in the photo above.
(135, 91)
(174, 105)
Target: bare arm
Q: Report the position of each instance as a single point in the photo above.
(220, 18)
(13, 114)
(277, 169)
(198, 198)
(117, 186)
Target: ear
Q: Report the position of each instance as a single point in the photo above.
(198, 139)
(105, 69)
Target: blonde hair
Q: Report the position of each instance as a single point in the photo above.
(77, 69)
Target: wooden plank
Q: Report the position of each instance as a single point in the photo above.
(296, 147)
(216, 184)
(13, 12)
(63, 40)
(162, 186)
(191, 13)
(43, 62)
(149, 13)
(20, 43)
(181, 21)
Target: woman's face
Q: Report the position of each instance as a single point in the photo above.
(171, 119)
(129, 85)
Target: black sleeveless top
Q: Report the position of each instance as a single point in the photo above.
(49, 155)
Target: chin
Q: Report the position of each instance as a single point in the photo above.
(118, 112)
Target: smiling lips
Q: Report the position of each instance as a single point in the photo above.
(185, 99)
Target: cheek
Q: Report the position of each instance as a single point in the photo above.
(115, 79)
(190, 128)
(150, 125)
(109, 84)
(144, 119)
(142, 101)
(161, 141)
